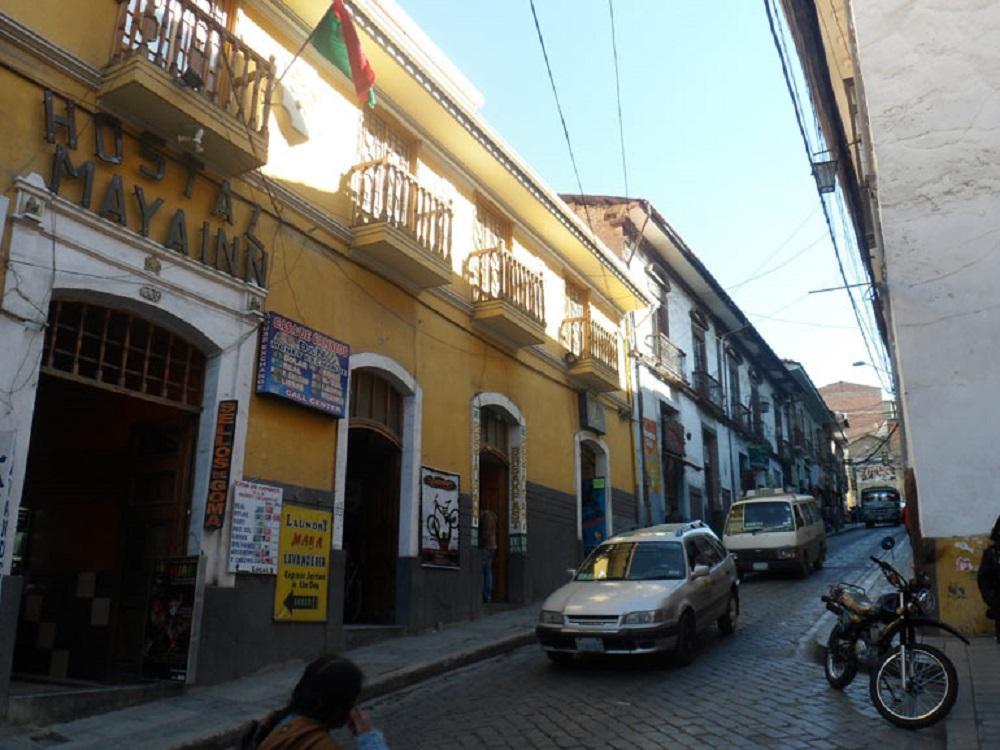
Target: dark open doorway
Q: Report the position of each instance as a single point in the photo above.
(371, 501)
(494, 495)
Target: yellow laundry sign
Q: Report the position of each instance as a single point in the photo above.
(303, 565)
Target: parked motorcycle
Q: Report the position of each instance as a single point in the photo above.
(911, 684)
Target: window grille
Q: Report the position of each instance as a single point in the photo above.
(122, 352)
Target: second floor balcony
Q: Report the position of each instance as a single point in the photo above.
(668, 359)
(593, 360)
(509, 297)
(401, 229)
(740, 414)
(710, 390)
(177, 70)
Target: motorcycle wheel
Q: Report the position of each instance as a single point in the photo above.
(931, 693)
(840, 665)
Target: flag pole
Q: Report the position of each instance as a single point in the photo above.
(297, 54)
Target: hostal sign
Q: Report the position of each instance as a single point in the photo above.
(241, 254)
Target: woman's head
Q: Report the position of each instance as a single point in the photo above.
(327, 690)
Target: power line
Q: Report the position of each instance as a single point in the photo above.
(562, 118)
(780, 266)
(618, 92)
(782, 53)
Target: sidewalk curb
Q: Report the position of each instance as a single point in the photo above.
(223, 738)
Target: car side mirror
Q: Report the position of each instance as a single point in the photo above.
(571, 572)
(888, 543)
(700, 571)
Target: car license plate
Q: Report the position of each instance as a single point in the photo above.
(590, 644)
(760, 566)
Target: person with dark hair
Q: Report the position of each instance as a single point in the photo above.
(988, 578)
(322, 700)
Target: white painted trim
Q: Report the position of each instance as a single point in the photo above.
(603, 469)
(59, 249)
(517, 436)
(409, 470)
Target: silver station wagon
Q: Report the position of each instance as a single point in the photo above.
(648, 591)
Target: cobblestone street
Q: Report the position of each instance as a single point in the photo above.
(758, 688)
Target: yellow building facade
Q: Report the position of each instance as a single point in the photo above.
(233, 305)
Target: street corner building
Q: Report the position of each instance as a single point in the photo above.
(273, 338)
(917, 205)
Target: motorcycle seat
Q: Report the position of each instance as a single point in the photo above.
(857, 603)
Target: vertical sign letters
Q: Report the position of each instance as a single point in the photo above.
(222, 462)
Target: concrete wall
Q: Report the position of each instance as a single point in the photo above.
(932, 88)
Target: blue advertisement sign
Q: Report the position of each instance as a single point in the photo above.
(594, 513)
(303, 365)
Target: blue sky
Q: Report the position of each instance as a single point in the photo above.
(710, 139)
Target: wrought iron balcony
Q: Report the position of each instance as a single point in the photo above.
(740, 414)
(509, 297)
(595, 351)
(177, 70)
(400, 227)
(668, 358)
(709, 389)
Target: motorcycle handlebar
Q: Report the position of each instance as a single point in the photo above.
(890, 572)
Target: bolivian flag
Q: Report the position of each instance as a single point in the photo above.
(337, 40)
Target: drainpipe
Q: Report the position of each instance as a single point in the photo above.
(640, 480)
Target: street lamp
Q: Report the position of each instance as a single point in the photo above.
(862, 363)
(825, 173)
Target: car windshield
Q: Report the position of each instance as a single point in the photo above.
(879, 496)
(747, 518)
(634, 561)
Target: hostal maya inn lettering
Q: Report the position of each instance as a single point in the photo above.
(241, 255)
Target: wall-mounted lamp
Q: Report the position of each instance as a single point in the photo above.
(825, 173)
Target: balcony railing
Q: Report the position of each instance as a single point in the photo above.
(741, 416)
(668, 357)
(382, 192)
(195, 47)
(709, 388)
(497, 275)
(586, 339)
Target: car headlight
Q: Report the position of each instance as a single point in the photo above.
(787, 553)
(549, 617)
(648, 617)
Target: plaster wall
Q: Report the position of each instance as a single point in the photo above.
(932, 87)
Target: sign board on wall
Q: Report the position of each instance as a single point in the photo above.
(651, 468)
(303, 365)
(222, 463)
(300, 591)
(591, 413)
(169, 616)
(440, 532)
(253, 538)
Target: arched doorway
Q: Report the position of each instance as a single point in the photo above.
(371, 500)
(107, 490)
(494, 489)
(593, 490)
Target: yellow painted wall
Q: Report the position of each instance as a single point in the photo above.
(311, 278)
(956, 564)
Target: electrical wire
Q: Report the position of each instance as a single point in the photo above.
(562, 118)
(782, 55)
(618, 93)
(779, 267)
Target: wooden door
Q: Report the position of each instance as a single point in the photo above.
(154, 525)
(494, 494)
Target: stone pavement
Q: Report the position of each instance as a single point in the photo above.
(211, 717)
(974, 722)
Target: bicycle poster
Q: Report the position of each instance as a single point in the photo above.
(439, 519)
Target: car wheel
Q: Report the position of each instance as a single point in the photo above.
(868, 524)
(818, 565)
(804, 565)
(727, 623)
(687, 637)
(559, 658)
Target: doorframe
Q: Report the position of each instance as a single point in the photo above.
(603, 468)
(409, 464)
(517, 472)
